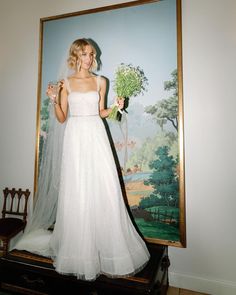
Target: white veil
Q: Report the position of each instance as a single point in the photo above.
(37, 232)
(44, 213)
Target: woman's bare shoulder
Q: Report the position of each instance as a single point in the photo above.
(103, 81)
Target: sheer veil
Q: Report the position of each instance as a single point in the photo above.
(37, 232)
(44, 213)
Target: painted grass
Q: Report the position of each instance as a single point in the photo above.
(153, 229)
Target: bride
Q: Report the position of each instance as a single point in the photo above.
(93, 233)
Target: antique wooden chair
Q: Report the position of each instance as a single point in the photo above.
(14, 214)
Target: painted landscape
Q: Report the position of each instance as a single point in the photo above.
(147, 146)
(146, 140)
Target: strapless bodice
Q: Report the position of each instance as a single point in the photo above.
(83, 103)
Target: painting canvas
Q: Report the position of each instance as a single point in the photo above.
(148, 141)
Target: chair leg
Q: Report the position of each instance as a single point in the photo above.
(5, 247)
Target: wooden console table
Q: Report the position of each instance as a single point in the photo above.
(25, 273)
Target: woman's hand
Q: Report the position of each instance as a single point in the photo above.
(53, 90)
(120, 102)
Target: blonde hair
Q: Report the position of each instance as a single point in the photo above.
(76, 49)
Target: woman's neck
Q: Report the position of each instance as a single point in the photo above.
(83, 74)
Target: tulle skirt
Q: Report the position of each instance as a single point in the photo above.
(93, 233)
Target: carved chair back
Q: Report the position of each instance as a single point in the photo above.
(12, 203)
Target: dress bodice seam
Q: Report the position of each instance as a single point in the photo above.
(83, 92)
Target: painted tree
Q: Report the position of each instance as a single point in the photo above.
(151, 201)
(145, 154)
(166, 110)
(163, 178)
(44, 116)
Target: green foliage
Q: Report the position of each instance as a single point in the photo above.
(172, 84)
(163, 178)
(44, 114)
(41, 143)
(151, 201)
(129, 81)
(167, 109)
(167, 210)
(146, 153)
(152, 229)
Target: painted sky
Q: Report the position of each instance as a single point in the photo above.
(143, 35)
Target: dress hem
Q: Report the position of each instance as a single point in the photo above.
(112, 276)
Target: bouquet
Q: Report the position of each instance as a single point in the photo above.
(129, 82)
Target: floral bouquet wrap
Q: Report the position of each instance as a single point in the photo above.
(129, 82)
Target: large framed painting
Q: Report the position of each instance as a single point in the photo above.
(148, 142)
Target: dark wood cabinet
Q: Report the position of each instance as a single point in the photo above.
(26, 273)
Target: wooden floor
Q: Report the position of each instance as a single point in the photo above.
(177, 291)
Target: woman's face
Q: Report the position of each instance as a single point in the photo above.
(86, 57)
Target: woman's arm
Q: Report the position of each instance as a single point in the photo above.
(104, 112)
(60, 103)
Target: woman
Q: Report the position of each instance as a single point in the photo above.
(93, 233)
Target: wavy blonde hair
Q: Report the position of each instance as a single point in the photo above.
(76, 49)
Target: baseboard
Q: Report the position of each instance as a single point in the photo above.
(200, 284)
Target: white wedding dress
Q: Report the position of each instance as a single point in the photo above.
(93, 233)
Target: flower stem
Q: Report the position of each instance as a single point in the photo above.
(113, 113)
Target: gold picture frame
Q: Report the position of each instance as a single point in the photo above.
(147, 33)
